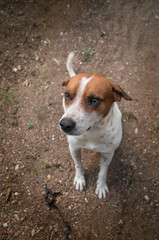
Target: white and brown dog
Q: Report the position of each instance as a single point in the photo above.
(91, 120)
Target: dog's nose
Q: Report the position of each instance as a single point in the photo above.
(67, 124)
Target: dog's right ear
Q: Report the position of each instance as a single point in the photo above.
(65, 82)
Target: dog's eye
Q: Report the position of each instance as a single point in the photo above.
(94, 101)
(67, 97)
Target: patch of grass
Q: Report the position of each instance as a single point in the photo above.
(6, 96)
(14, 110)
(130, 115)
(36, 36)
(33, 25)
(45, 76)
(136, 99)
(29, 126)
(87, 55)
(155, 127)
(49, 165)
(32, 57)
(12, 27)
(130, 181)
(125, 132)
(1, 138)
(56, 165)
(38, 84)
(24, 74)
(25, 39)
(13, 123)
(157, 17)
(35, 172)
(10, 145)
(2, 119)
(31, 156)
(7, 99)
(43, 20)
(39, 115)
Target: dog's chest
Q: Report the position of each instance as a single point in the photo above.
(103, 140)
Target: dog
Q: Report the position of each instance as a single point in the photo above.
(91, 120)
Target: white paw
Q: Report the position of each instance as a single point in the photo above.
(101, 190)
(79, 183)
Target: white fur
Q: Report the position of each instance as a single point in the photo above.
(104, 136)
(69, 65)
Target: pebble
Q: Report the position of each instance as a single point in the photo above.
(16, 167)
(48, 176)
(5, 225)
(15, 70)
(19, 67)
(16, 217)
(146, 197)
(32, 232)
(136, 130)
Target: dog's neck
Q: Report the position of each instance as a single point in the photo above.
(105, 121)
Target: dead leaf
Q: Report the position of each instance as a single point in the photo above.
(156, 17)
(8, 195)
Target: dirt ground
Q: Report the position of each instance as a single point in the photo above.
(117, 39)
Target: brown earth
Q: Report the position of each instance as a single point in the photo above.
(118, 39)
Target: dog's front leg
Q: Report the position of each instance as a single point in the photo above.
(79, 180)
(102, 188)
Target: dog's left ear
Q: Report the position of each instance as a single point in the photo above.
(65, 82)
(118, 93)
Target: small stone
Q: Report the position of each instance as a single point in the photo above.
(37, 58)
(32, 232)
(20, 13)
(19, 68)
(5, 225)
(16, 217)
(16, 167)
(136, 130)
(15, 70)
(146, 197)
(48, 176)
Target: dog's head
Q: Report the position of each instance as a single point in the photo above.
(87, 100)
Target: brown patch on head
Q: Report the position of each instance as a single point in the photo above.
(101, 88)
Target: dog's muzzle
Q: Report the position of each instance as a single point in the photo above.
(67, 125)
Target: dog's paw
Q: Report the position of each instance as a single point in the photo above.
(101, 190)
(79, 183)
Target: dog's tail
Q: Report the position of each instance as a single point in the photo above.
(69, 65)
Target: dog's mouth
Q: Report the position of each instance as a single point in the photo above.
(75, 133)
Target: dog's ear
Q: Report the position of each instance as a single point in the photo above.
(118, 93)
(65, 82)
